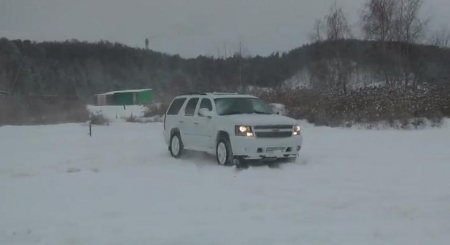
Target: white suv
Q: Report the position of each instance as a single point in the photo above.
(231, 126)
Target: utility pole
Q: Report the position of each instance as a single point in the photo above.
(17, 75)
(225, 50)
(240, 64)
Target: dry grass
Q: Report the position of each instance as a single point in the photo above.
(368, 106)
(27, 110)
(99, 119)
(157, 109)
(132, 119)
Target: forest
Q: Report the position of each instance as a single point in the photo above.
(81, 69)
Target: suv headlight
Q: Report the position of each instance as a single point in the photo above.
(296, 130)
(244, 131)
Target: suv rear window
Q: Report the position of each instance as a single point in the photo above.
(176, 106)
(190, 107)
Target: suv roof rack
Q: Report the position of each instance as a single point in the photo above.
(225, 93)
(206, 93)
(196, 93)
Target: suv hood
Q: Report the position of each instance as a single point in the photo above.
(258, 119)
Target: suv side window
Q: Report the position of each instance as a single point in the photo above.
(176, 106)
(190, 107)
(206, 103)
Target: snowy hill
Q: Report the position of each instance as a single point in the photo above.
(366, 63)
(361, 78)
(60, 186)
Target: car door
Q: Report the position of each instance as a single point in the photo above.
(172, 117)
(187, 123)
(203, 126)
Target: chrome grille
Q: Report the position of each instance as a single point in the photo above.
(280, 134)
(273, 127)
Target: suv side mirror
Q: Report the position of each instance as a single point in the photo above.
(204, 112)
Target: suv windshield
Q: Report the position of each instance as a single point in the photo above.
(233, 106)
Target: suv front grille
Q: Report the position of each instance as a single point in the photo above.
(282, 134)
(273, 127)
(273, 131)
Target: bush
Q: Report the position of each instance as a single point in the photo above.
(156, 109)
(99, 119)
(35, 110)
(400, 108)
(132, 119)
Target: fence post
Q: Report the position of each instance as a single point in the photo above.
(90, 129)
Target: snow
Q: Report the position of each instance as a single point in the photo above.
(118, 113)
(360, 78)
(60, 186)
(126, 91)
(278, 108)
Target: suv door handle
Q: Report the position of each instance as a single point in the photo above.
(181, 121)
(196, 123)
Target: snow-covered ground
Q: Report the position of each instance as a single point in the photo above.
(360, 78)
(60, 186)
(118, 113)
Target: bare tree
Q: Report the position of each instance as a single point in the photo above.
(331, 74)
(395, 20)
(337, 27)
(377, 23)
(441, 37)
(333, 27)
(240, 64)
(398, 20)
(409, 27)
(241, 53)
(378, 19)
(317, 33)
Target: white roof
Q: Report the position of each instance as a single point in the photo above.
(126, 91)
(231, 95)
(218, 95)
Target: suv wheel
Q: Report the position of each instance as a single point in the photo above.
(224, 153)
(291, 159)
(176, 145)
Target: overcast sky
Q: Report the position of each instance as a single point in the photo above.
(187, 27)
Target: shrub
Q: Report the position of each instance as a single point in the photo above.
(398, 107)
(99, 119)
(35, 110)
(132, 119)
(156, 109)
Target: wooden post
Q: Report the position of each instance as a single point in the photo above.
(90, 130)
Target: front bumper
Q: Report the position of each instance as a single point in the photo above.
(257, 148)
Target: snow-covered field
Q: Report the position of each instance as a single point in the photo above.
(58, 186)
(118, 113)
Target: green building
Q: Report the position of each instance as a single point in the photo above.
(126, 97)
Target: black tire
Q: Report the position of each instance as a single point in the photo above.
(229, 152)
(176, 137)
(291, 160)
